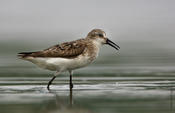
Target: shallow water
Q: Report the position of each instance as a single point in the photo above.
(90, 95)
(123, 85)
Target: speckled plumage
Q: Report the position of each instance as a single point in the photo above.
(86, 49)
(64, 50)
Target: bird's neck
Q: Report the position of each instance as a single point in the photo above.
(93, 49)
(97, 44)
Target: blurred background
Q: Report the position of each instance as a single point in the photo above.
(143, 28)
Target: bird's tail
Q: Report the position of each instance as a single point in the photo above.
(24, 54)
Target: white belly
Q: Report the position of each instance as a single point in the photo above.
(61, 64)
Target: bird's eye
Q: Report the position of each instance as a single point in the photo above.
(100, 35)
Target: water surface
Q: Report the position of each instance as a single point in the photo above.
(110, 85)
(90, 95)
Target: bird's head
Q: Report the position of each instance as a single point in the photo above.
(99, 37)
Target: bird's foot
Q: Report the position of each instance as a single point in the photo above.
(48, 88)
(71, 85)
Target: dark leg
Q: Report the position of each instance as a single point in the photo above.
(50, 82)
(71, 84)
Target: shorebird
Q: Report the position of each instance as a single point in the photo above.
(69, 56)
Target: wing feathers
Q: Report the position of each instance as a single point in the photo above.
(67, 49)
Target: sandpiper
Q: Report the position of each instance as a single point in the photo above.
(69, 56)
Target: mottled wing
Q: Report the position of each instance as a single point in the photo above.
(66, 50)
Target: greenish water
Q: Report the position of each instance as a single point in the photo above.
(113, 84)
(90, 95)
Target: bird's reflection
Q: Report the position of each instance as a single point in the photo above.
(171, 98)
(61, 101)
(63, 104)
(71, 97)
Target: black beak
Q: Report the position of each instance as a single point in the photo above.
(109, 42)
